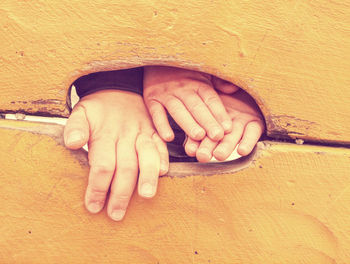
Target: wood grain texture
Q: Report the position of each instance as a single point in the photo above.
(291, 205)
(292, 56)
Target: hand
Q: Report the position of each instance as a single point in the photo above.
(122, 144)
(248, 125)
(190, 99)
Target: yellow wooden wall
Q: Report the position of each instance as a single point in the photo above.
(286, 203)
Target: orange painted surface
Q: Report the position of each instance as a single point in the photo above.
(287, 204)
(293, 57)
(291, 205)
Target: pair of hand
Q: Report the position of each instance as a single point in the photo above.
(214, 122)
(124, 145)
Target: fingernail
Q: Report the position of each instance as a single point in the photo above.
(94, 207)
(227, 125)
(117, 215)
(203, 155)
(215, 133)
(163, 167)
(219, 153)
(243, 150)
(74, 137)
(168, 136)
(197, 133)
(147, 190)
(204, 151)
(192, 148)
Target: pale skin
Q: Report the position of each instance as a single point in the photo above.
(190, 98)
(124, 149)
(248, 126)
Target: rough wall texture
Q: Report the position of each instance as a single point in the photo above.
(290, 206)
(292, 56)
(287, 204)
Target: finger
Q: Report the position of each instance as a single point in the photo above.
(163, 153)
(230, 141)
(124, 180)
(76, 131)
(149, 166)
(202, 114)
(102, 165)
(183, 118)
(160, 120)
(251, 136)
(191, 147)
(224, 86)
(214, 103)
(205, 150)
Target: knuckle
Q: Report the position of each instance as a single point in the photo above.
(120, 198)
(155, 137)
(239, 123)
(150, 94)
(97, 193)
(153, 108)
(145, 138)
(105, 135)
(171, 102)
(212, 100)
(152, 97)
(180, 84)
(145, 143)
(103, 168)
(127, 136)
(128, 170)
(196, 108)
(213, 125)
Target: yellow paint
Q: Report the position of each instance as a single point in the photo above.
(287, 204)
(290, 206)
(292, 56)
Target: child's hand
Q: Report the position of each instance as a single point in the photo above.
(123, 145)
(248, 125)
(190, 99)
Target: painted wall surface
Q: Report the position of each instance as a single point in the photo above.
(290, 205)
(292, 56)
(286, 203)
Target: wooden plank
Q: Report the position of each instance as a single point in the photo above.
(293, 57)
(290, 205)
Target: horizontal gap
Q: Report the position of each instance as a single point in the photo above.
(300, 141)
(62, 121)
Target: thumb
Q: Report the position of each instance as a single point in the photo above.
(224, 86)
(76, 131)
